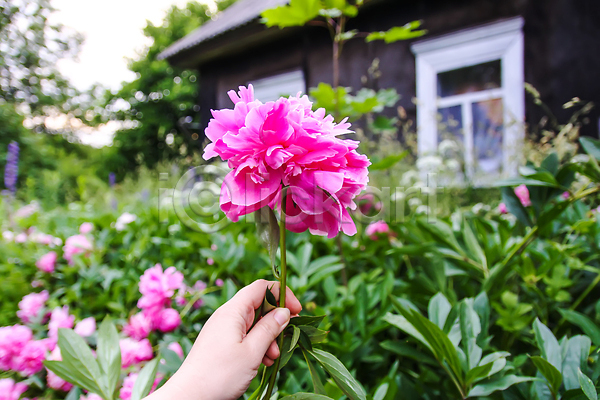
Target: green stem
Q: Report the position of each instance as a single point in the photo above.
(282, 289)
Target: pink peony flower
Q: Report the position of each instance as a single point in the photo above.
(29, 360)
(90, 396)
(502, 208)
(129, 382)
(523, 194)
(21, 238)
(139, 326)
(76, 244)
(86, 227)
(57, 383)
(13, 340)
(213, 247)
(199, 286)
(285, 143)
(169, 320)
(124, 220)
(219, 282)
(86, 327)
(134, 352)
(157, 287)
(376, 227)
(31, 305)
(47, 262)
(176, 348)
(59, 318)
(9, 390)
(210, 261)
(565, 195)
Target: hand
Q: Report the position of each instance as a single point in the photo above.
(225, 359)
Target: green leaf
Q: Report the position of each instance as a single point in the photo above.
(388, 162)
(297, 13)
(77, 355)
(514, 206)
(473, 245)
(257, 394)
(295, 337)
(438, 309)
(314, 375)
(307, 320)
(470, 327)
(548, 344)
(587, 386)
(552, 375)
(402, 323)
(68, 373)
(398, 33)
(575, 357)
(145, 380)
(339, 374)
(591, 146)
(306, 396)
(404, 350)
(108, 353)
(315, 335)
(587, 325)
(503, 383)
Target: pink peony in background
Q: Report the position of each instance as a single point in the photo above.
(138, 327)
(169, 320)
(129, 382)
(52, 379)
(285, 143)
(59, 318)
(47, 262)
(157, 288)
(523, 194)
(31, 305)
(86, 227)
(13, 340)
(134, 351)
(377, 227)
(76, 244)
(9, 390)
(176, 348)
(86, 327)
(502, 208)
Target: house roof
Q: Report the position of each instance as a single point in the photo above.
(240, 13)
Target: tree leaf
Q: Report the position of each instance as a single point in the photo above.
(388, 162)
(503, 383)
(307, 320)
(582, 321)
(314, 375)
(70, 374)
(398, 33)
(473, 245)
(297, 13)
(108, 353)
(514, 206)
(552, 375)
(340, 374)
(575, 357)
(295, 337)
(438, 309)
(591, 146)
(587, 386)
(145, 380)
(306, 396)
(548, 344)
(267, 228)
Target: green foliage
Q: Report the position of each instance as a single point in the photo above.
(397, 33)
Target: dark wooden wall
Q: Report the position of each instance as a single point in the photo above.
(562, 52)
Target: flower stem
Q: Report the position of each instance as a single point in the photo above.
(282, 289)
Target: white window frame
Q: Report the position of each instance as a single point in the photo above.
(272, 87)
(497, 41)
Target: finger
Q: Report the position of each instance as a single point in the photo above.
(265, 331)
(273, 351)
(267, 361)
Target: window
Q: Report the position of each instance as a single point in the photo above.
(273, 87)
(470, 90)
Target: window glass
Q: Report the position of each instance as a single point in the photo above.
(487, 134)
(286, 84)
(450, 124)
(469, 79)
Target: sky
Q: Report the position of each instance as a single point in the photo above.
(113, 33)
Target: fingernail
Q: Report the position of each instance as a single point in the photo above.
(282, 316)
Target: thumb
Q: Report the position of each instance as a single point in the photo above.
(266, 331)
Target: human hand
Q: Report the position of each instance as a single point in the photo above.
(226, 357)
